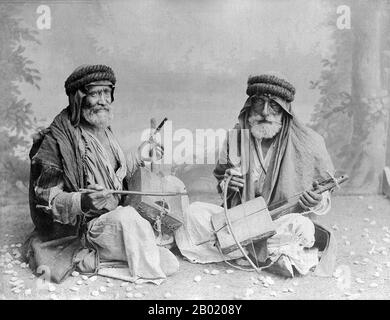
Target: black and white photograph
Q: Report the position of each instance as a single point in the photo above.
(157, 151)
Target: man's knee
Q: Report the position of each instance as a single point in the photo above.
(128, 215)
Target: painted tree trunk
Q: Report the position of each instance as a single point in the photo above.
(370, 116)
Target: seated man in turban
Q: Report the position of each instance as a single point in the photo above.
(79, 150)
(276, 157)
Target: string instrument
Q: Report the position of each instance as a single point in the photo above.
(159, 198)
(252, 220)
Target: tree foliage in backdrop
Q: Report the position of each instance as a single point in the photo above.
(16, 115)
(352, 112)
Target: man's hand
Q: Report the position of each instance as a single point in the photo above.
(310, 199)
(150, 150)
(95, 200)
(237, 180)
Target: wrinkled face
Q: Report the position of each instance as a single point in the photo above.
(265, 117)
(97, 109)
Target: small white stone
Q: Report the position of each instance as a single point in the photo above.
(366, 219)
(197, 278)
(361, 290)
(128, 289)
(376, 275)
(273, 294)
(228, 271)
(12, 245)
(124, 284)
(373, 223)
(80, 282)
(256, 282)
(366, 260)
(337, 273)
(14, 279)
(84, 277)
(358, 280)
(352, 253)
(51, 288)
(103, 289)
(290, 290)
(129, 295)
(285, 290)
(345, 229)
(214, 272)
(108, 280)
(16, 253)
(74, 289)
(7, 256)
(23, 265)
(18, 245)
(138, 295)
(206, 271)
(269, 280)
(265, 284)
(295, 283)
(334, 227)
(93, 278)
(95, 293)
(347, 243)
(27, 292)
(249, 292)
(167, 295)
(373, 285)
(370, 208)
(217, 286)
(75, 274)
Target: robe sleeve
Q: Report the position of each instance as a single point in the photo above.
(63, 207)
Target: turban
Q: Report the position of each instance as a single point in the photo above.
(86, 74)
(270, 84)
(273, 85)
(81, 77)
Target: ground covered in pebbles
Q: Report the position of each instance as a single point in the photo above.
(361, 226)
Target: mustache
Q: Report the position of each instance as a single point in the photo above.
(96, 109)
(263, 121)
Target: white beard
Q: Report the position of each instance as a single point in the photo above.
(265, 130)
(100, 117)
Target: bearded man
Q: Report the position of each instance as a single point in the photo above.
(274, 156)
(76, 229)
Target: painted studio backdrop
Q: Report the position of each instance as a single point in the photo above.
(189, 61)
